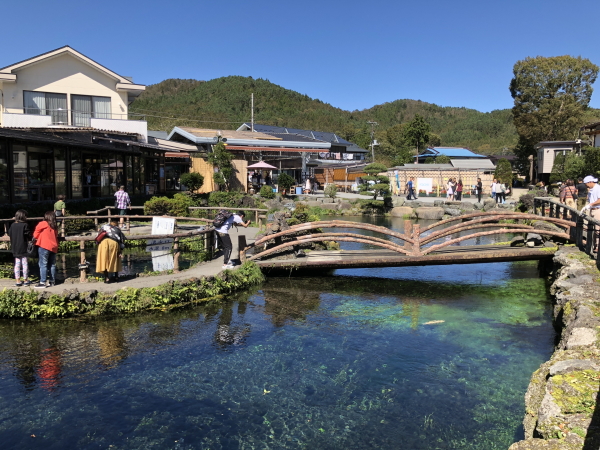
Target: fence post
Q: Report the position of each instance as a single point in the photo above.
(241, 246)
(82, 269)
(210, 247)
(416, 234)
(535, 206)
(543, 208)
(176, 255)
(408, 232)
(62, 227)
(256, 218)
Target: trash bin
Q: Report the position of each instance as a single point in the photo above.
(298, 190)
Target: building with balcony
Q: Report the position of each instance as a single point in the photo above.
(64, 88)
(65, 128)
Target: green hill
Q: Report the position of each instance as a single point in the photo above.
(225, 103)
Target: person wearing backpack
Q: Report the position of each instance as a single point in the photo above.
(223, 233)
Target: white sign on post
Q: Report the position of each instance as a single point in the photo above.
(163, 225)
(162, 258)
(425, 184)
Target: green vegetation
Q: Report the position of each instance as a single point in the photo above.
(285, 182)
(551, 97)
(504, 172)
(382, 182)
(570, 165)
(32, 305)
(220, 158)
(176, 206)
(331, 190)
(267, 192)
(201, 104)
(193, 181)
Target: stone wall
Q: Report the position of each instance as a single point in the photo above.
(562, 396)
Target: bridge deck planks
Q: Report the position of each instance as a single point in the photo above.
(471, 254)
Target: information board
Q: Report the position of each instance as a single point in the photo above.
(424, 184)
(163, 225)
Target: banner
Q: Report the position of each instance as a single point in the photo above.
(424, 184)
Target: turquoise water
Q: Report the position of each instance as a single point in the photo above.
(411, 358)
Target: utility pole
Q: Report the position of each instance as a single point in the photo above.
(252, 113)
(373, 125)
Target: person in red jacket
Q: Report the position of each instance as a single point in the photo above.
(45, 236)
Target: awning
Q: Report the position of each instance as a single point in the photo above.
(177, 155)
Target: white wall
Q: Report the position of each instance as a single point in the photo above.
(128, 126)
(25, 121)
(64, 74)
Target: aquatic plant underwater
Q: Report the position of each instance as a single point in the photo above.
(343, 362)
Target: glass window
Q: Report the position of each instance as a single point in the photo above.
(85, 107)
(60, 171)
(46, 104)
(41, 173)
(4, 192)
(76, 174)
(20, 172)
(129, 173)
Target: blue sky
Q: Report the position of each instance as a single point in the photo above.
(350, 54)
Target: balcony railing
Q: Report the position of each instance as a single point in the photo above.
(128, 123)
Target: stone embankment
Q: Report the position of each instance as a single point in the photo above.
(562, 399)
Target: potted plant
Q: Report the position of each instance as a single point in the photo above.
(422, 193)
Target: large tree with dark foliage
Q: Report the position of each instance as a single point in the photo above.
(551, 96)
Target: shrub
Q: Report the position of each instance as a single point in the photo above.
(285, 182)
(331, 190)
(157, 206)
(176, 206)
(193, 181)
(267, 192)
(227, 199)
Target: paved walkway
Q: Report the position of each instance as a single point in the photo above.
(209, 268)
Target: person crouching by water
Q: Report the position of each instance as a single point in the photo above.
(45, 237)
(225, 240)
(108, 260)
(19, 235)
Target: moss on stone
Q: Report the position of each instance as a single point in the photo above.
(575, 392)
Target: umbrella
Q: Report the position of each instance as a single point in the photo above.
(261, 165)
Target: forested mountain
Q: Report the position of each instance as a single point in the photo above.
(225, 103)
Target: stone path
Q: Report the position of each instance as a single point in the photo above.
(209, 268)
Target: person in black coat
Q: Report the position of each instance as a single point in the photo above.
(19, 236)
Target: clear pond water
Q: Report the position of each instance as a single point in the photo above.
(413, 358)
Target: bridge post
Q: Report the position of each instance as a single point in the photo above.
(416, 235)
(535, 206)
(408, 232)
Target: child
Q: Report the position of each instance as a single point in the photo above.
(19, 235)
(60, 206)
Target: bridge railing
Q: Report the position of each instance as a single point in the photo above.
(585, 229)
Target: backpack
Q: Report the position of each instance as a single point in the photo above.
(221, 218)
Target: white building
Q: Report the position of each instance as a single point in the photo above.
(64, 88)
(546, 154)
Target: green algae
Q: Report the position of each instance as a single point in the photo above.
(575, 392)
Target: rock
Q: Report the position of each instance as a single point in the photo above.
(398, 201)
(581, 337)
(534, 239)
(330, 206)
(478, 205)
(438, 203)
(467, 206)
(572, 364)
(542, 225)
(549, 244)
(401, 211)
(345, 205)
(548, 409)
(313, 203)
(432, 213)
(539, 444)
(489, 202)
(517, 241)
(452, 211)
(327, 200)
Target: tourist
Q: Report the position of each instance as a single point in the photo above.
(268, 180)
(45, 237)
(225, 240)
(459, 190)
(582, 192)
(108, 260)
(568, 194)
(479, 189)
(500, 191)
(410, 186)
(60, 208)
(494, 188)
(450, 190)
(122, 202)
(19, 235)
(593, 203)
(307, 186)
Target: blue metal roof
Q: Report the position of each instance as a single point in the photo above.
(455, 152)
(319, 135)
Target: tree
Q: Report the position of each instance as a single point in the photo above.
(417, 132)
(504, 173)
(591, 161)
(220, 158)
(193, 181)
(285, 182)
(442, 159)
(434, 140)
(382, 182)
(550, 98)
(567, 166)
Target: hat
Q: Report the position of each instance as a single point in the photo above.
(590, 179)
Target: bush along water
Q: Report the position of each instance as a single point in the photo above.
(33, 305)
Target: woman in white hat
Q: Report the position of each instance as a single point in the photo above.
(593, 203)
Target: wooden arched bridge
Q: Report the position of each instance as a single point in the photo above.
(435, 244)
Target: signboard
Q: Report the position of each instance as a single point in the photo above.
(162, 258)
(425, 184)
(163, 225)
